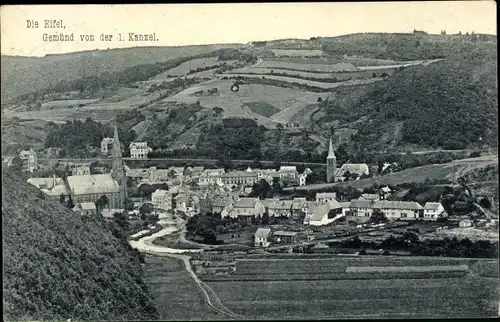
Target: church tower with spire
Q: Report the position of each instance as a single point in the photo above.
(331, 164)
(118, 170)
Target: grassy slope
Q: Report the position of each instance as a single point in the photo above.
(28, 73)
(57, 266)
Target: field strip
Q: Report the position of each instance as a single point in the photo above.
(405, 269)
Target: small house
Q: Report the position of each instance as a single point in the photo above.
(261, 237)
(85, 208)
(384, 193)
(433, 210)
(285, 237)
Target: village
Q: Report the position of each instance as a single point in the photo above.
(268, 217)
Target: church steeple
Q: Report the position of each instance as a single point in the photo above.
(331, 164)
(118, 171)
(331, 151)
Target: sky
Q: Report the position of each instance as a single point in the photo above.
(192, 24)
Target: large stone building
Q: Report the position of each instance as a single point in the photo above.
(331, 164)
(89, 188)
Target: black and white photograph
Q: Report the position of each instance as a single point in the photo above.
(250, 161)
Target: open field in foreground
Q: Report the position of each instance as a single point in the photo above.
(459, 297)
(176, 294)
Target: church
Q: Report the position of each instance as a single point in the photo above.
(91, 187)
(334, 174)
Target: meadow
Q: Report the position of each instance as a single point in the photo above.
(176, 294)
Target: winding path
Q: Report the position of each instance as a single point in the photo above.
(146, 245)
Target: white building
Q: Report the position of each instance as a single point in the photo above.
(139, 150)
(326, 213)
(261, 237)
(105, 144)
(162, 199)
(465, 223)
(433, 210)
(52, 187)
(30, 161)
(403, 210)
(323, 197)
(211, 176)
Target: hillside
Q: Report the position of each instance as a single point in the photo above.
(26, 74)
(450, 104)
(59, 266)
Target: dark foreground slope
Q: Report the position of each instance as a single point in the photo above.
(60, 266)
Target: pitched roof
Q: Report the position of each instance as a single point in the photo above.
(262, 232)
(362, 204)
(233, 174)
(386, 189)
(284, 233)
(404, 205)
(93, 184)
(322, 195)
(159, 193)
(323, 209)
(47, 183)
(246, 203)
(358, 168)
(432, 205)
(369, 196)
(288, 168)
(87, 206)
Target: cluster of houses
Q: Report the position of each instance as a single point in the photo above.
(218, 177)
(326, 209)
(28, 158)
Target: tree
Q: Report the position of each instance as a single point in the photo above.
(146, 208)
(70, 203)
(129, 204)
(485, 203)
(265, 218)
(378, 216)
(279, 126)
(62, 198)
(102, 202)
(17, 163)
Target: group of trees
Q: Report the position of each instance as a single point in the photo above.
(263, 189)
(76, 137)
(233, 138)
(410, 242)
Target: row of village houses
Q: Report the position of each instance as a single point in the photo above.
(207, 177)
(322, 211)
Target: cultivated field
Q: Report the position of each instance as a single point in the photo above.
(176, 294)
(297, 52)
(322, 85)
(339, 67)
(266, 298)
(233, 102)
(67, 103)
(184, 68)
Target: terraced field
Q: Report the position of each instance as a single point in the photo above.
(297, 52)
(386, 297)
(184, 68)
(330, 68)
(322, 85)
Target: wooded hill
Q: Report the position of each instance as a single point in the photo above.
(58, 265)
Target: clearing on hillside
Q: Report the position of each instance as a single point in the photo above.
(233, 102)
